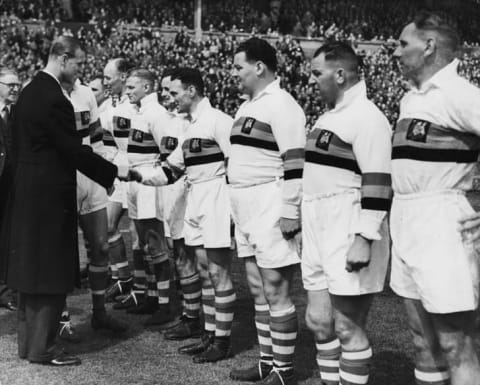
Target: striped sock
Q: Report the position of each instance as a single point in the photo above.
(328, 360)
(192, 294)
(355, 366)
(139, 274)
(283, 330)
(152, 290)
(161, 266)
(98, 278)
(431, 375)
(224, 304)
(208, 306)
(114, 271)
(118, 257)
(262, 323)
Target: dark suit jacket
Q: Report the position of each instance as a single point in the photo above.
(41, 243)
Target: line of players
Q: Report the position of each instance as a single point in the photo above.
(336, 186)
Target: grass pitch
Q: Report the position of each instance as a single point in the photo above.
(142, 356)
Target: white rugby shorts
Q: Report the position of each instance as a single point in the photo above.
(328, 231)
(120, 193)
(174, 204)
(430, 261)
(144, 202)
(256, 211)
(207, 214)
(91, 196)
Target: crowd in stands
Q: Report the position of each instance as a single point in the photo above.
(26, 50)
(340, 19)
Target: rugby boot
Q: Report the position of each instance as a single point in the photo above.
(160, 317)
(118, 288)
(150, 306)
(134, 299)
(67, 332)
(103, 321)
(253, 373)
(219, 350)
(186, 328)
(198, 347)
(277, 377)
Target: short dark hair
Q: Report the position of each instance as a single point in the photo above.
(97, 76)
(64, 45)
(257, 49)
(190, 77)
(143, 74)
(169, 72)
(342, 52)
(122, 65)
(430, 21)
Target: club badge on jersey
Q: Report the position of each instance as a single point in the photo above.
(418, 130)
(324, 139)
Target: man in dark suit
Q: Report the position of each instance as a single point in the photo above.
(9, 90)
(41, 241)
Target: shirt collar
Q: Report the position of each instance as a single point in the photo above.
(150, 98)
(441, 77)
(269, 89)
(202, 106)
(355, 92)
(2, 106)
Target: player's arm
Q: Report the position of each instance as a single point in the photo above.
(372, 148)
(223, 129)
(288, 127)
(109, 148)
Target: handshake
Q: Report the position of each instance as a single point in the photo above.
(129, 175)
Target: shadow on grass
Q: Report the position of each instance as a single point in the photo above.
(8, 322)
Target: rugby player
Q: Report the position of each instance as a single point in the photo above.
(435, 150)
(346, 195)
(265, 170)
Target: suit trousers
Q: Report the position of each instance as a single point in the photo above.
(38, 319)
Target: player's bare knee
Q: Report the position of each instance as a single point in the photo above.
(346, 331)
(316, 321)
(452, 346)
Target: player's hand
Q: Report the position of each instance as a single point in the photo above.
(358, 256)
(290, 227)
(134, 175)
(469, 227)
(110, 190)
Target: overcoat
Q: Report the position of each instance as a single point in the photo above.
(40, 242)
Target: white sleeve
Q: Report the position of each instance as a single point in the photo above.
(223, 128)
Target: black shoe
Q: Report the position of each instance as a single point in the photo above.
(104, 321)
(187, 328)
(67, 332)
(160, 317)
(277, 377)
(150, 306)
(61, 360)
(119, 287)
(134, 299)
(219, 350)
(198, 347)
(252, 374)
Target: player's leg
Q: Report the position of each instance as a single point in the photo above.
(430, 364)
(263, 368)
(455, 333)
(117, 252)
(157, 249)
(208, 306)
(219, 262)
(283, 319)
(94, 226)
(350, 314)
(190, 282)
(319, 319)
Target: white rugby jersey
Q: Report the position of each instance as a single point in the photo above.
(147, 129)
(206, 145)
(350, 148)
(173, 134)
(87, 119)
(436, 142)
(116, 121)
(268, 141)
